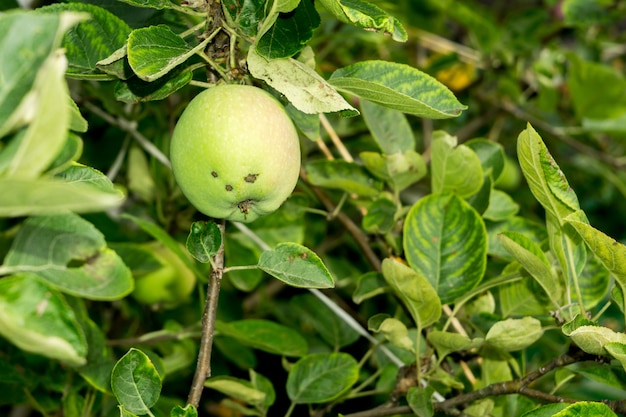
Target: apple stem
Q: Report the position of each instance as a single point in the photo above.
(203, 367)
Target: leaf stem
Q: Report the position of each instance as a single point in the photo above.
(203, 367)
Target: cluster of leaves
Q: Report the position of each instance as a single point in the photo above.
(476, 297)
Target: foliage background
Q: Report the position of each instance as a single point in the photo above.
(556, 64)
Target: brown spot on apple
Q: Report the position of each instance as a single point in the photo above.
(251, 178)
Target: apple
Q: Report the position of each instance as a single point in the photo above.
(168, 285)
(235, 153)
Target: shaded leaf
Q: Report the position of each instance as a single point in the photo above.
(390, 128)
(265, 335)
(321, 377)
(204, 240)
(326, 323)
(135, 382)
(342, 175)
(290, 33)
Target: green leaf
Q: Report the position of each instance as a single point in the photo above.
(399, 87)
(545, 179)
(297, 266)
(236, 388)
(416, 293)
(135, 90)
(610, 252)
(321, 377)
(342, 175)
(71, 254)
(92, 40)
(454, 168)
(135, 382)
(593, 339)
(309, 124)
(37, 319)
(446, 342)
(594, 283)
(187, 411)
(326, 323)
(204, 240)
(535, 262)
(501, 207)
(164, 237)
(618, 351)
(595, 90)
(156, 50)
(393, 329)
(535, 231)
(585, 13)
(390, 128)
(264, 385)
(246, 16)
(152, 4)
(368, 286)
(491, 155)
(301, 85)
(380, 217)
(546, 410)
(30, 155)
(290, 33)
(514, 334)
(446, 242)
(583, 408)
(265, 335)
(400, 169)
(367, 16)
(26, 42)
(420, 400)
(24, 197)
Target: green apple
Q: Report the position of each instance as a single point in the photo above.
(167, 286)
(235, 153)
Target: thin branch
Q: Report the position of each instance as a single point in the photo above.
(203, 367)
(516, 386)
(130, 127)
(334, 137)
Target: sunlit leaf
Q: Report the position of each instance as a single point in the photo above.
(303, 87)
(37, 319)
(446, 242)
(455, 168)
(92, 40)
(417, 294)
(71, 254)
(297, 266)
(399, 87)
(367, 16)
